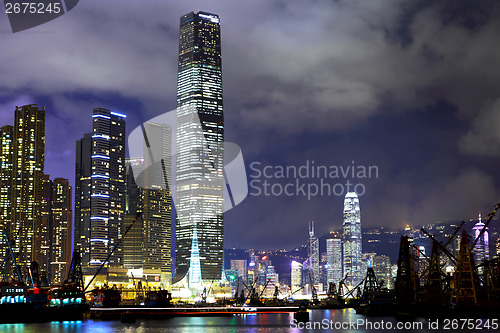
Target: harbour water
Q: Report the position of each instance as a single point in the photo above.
(345, 320)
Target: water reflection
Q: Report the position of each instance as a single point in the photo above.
(320, 321)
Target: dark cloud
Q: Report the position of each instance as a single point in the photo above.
(409, 86)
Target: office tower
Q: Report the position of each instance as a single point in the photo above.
(313, 253)
(132, 244)
(352, 240)
(157, 198)
(27, 182)
(6, 172)
(100, 189)
(329, 260)
(481, 249)
(148, 244)
(422, 259)
(241, 267)
(337, 260)
(272, 280)
(334, 260)
(382, 268)
(296, 276)
(497, 248)
(199, 147)
(61, 230)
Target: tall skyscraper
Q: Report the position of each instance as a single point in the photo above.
(334, 260)
(199, 148)
(313, 253)
(57, 229)
(481, 249)
(132, 244)
(61, 227)
(27, 181)
(352, 240)
(241, 267)
(148, 243)
(46, 226)
(382, 268)
(100, 188)
(6, 172)
(157, 199)
(273, 279)
(296, 276)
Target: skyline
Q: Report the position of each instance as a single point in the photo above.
(408, 87)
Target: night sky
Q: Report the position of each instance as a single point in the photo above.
(411, 87)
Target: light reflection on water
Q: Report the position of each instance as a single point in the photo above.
(249, 323)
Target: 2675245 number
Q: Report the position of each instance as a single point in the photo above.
(32, 8)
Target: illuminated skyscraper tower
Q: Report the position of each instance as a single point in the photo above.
(27, 181)
(199, 147)
(100, 188)
(313, 253)
(352, 240)
(296, 276)
(334, 260)
(481, 249)
(6, 165)
(56, 229)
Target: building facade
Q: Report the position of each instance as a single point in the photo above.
(334, 260)
(481, 249)
(296, 276)
(57, 217)
(313, 254)
(6, 172)
(352, 251)
(27, 183)
(61, 227)
(199, 148)
(100, 189)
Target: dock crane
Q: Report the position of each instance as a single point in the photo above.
(18, 271)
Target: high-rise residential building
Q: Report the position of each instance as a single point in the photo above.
(352, 240)
(481, 249)
(57, 229)
(313, 253)
(27, 181)
(100, 189)
(46, 225)
(199, 148)
(296, 276)
(61, 227)
(334, 260)
(6, 172)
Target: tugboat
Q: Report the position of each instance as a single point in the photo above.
(158, 298)
(105, 297)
